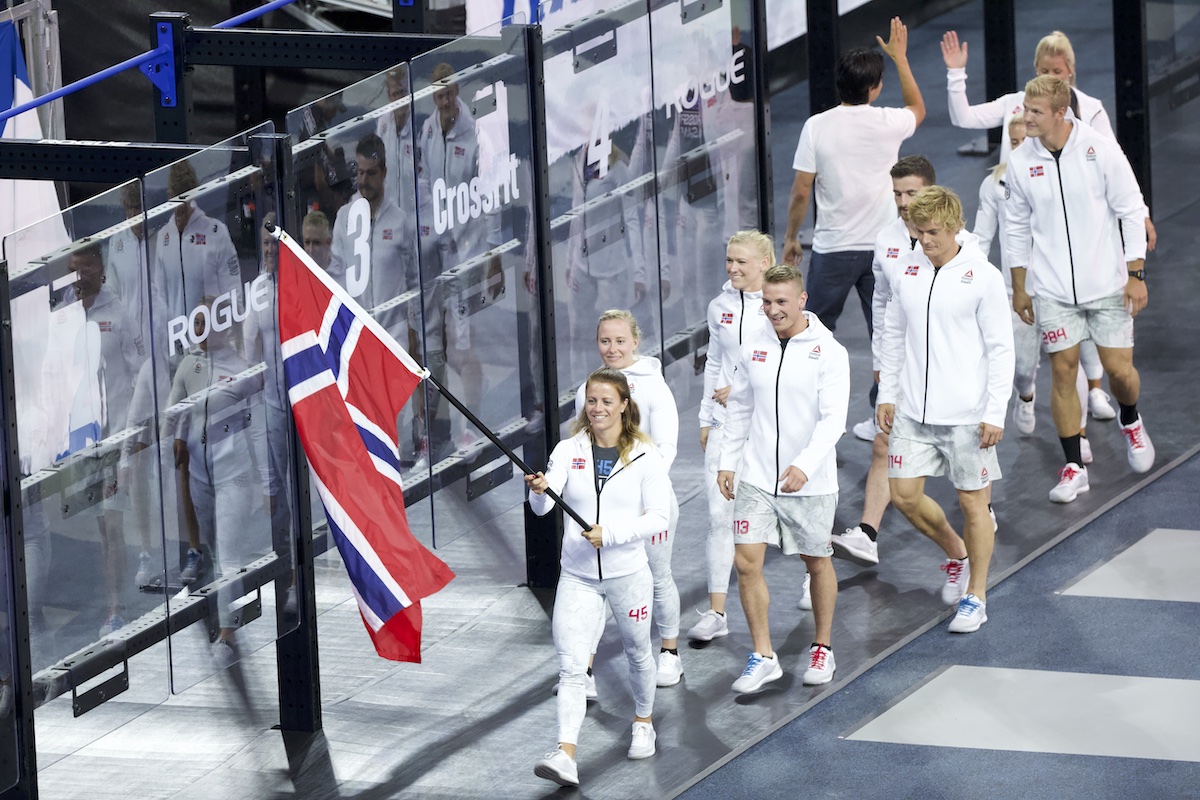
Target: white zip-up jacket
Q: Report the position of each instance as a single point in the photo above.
(732, 315)
(188, 266)
(948, 341)
(656, 405)
(632, 505)
(893, 249)
(787, 408)
(1062, 216)
(997, 113)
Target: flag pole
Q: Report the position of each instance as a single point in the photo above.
(512, 456)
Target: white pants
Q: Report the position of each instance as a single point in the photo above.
(578, 606)
(666, 594)
(223, 512)
(720, 519)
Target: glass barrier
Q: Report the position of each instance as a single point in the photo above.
(92, 510)
(1173, 51)
(601, 142)
(706, 156)
(10, 768)
(472, 123)
(223, 424)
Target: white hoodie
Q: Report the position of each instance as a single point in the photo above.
(656, 405)
(731, 316)
(778, 417)
(1062, 217)
(948, 341)
(631, 506)
(894, 247)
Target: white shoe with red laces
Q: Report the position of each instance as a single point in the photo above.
(820, 666)
(1141, 449)
(1072, 482)
(958, 573)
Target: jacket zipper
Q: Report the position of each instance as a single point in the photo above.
(742, 316)
(778, 374)
(1067, 224)
(600, 488)
(928, 309)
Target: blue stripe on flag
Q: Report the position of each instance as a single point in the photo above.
(306, 364)
(379, 448)
(337, 337)
(370, 588)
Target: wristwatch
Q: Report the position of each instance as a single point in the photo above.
(1140, 274)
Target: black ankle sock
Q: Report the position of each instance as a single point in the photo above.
(868, 530)
(1071, 449)
(589, 672)
(821, 644)
(1129, 414)
(672, 650)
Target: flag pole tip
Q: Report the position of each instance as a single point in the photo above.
(270, 226)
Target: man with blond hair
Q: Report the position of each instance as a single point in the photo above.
(1076, 219)
(946, 371)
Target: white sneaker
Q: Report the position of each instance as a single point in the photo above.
(224, 653)
(1085, 450)
(642, 743)
(972, 612)
(957, 575)
(1099, 406)
(759, 670)
(559, 767)
(866, 430)
(1072, 482)
(670, 669)
(589, 687)
(145, 565)
(711, 626)
(1141, 449)
(854, 545)
(820, 666)
(806, 595)
(1023, 416)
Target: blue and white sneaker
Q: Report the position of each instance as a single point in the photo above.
(972, 612)
(759, 669)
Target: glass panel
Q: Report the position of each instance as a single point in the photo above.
(472, 122)
(10, 769)
(704, 123)
(1173, 51)
(93, 551)
(223, 425)
(601, 151)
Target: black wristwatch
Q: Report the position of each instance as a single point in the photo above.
(1140, 274)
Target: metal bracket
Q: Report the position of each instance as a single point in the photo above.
(593, 42)
(161, 69)
(689, 12)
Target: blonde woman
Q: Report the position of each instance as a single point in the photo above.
(608, 471)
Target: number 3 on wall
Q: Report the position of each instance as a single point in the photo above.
(358, 227)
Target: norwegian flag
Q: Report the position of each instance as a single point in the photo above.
(1037, 172)
(347, 381)
(726, 317)
(759, 355)
(459, 150)
(893, 252)
(578, 463)
(912, 269)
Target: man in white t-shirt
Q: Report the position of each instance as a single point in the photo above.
(845, 153)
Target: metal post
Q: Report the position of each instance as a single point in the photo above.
(16, 598)
(824, 49)
(172, 112)
(296, 651)
(543, 535)
(1133, 89)
(762, 116)
(1000, 55)
(249, 83)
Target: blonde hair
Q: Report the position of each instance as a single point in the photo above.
(620, 314)
(631, 417)
(784, 273)
(757, 241)
(1016, 122)
(938, 205)
(1050, 88)
(1056, 44)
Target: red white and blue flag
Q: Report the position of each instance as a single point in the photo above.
(759, 355)
(1037, 172)
(347, 380)
(726, 317)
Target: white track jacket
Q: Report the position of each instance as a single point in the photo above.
(893, 250)
(732, 315)
(656, 405)
(631, 506)
(787, 408)
(1062, 217)
(948, 341)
